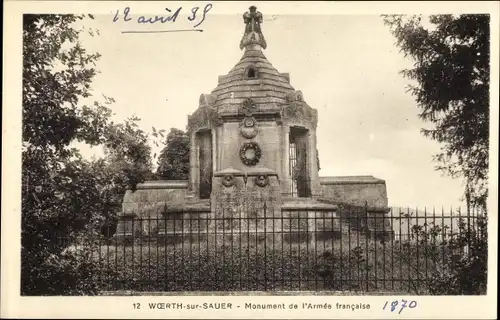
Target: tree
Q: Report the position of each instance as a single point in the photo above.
(452, 72)
(54, 79)
(127, 162)
(65, 196)
(173, 161)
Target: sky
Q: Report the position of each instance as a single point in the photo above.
(347, 67)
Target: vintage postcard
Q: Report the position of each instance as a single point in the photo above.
(257, 159)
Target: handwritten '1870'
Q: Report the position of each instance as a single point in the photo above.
(170, 17)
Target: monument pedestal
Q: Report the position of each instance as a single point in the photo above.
(245, 206)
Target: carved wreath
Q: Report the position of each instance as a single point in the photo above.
(250, 153)
(262, 180)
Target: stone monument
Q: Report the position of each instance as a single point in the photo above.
(253, 153)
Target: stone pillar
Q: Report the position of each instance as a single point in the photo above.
(221, 148)
(217, 148)
(205, 162)
(214, 153)
(197, 168)
(279, 156)
(285, 178)
(193, 172)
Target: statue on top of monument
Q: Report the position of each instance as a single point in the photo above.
(253, 33)
(252, 19)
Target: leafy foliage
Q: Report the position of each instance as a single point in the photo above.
(200, 268)
(466, 273)
(458, 264)
(126, 163)
(452, 72)
(63, 194)
(173, 161)
(55, 77)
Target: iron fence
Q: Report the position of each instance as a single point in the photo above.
(289, 250)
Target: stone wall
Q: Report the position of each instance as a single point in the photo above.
(363, 203)
(355, 190)
(236, 209)
(152, 196)
(144, 211)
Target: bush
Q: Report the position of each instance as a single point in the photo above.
(199, 269)
(465, 271)
(455, 266)
(72, 272)
(149, 267)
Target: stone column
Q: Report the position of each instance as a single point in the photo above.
(217, 149)
(214, 148)
(221, 149)
(279, 156)
(286, 161)
(193, 159)
(313, 167)
(205, 162)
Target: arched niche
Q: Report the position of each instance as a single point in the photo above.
(251, 72)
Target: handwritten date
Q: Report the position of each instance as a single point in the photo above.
(404, 304)
(170, 16)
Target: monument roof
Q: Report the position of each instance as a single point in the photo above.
(253, 76)
(267, 86)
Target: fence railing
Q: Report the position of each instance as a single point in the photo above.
(285, 251)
